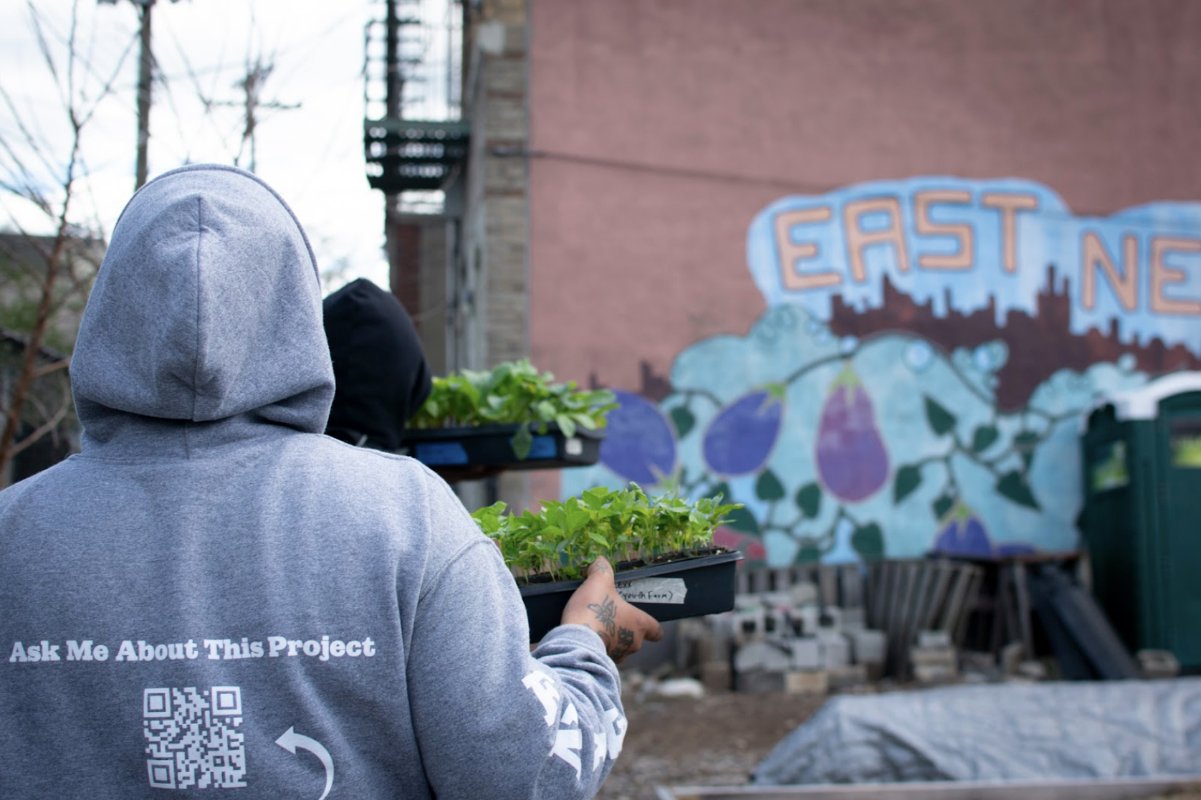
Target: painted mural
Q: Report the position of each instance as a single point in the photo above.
(918, 379)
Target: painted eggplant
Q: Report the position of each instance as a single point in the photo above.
(639, 444)
(851, 460)
(741, 437)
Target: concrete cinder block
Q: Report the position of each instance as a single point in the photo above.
(807, 617)
(934, 673)
(854, 618)
(746, 624)
(933, 639)
(829, 618)
(803, 593)
(835, 649)
(1158, 663)
(776, 622)
(806, 653)
(762, 655)
(847, 677)
(806, 682)
(758, 681)
(933, 655)
(716, 676)
(868, 646)
(934, 664)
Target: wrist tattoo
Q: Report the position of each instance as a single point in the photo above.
(606, 615)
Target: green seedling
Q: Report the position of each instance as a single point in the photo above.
(513, 393)
(625, 526)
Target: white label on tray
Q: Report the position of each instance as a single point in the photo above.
(573, 447)
(654, 590)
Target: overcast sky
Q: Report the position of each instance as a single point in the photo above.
(312, 154)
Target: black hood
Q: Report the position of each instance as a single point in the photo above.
(380, 373)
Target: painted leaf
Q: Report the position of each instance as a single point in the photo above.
(868, 541)
(1013, 485)
(741, 437)
(683, 419)
(639, 444)
(809, 499)
(851, 460)
(942, 505)
(740, 519)
(1025, 443)
(721, 490)
(768, 486)
(983, 438)
(962, 534)
(809, 554)
(908, 478)
(941, 421)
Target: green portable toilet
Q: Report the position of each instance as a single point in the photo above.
(1141, 519)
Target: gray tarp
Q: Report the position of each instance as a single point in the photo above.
(996, 732)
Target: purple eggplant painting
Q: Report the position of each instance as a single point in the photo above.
(962, 534)
(639, 444)
(742, 435)
(851, 460)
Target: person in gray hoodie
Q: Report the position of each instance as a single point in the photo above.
(215, 599)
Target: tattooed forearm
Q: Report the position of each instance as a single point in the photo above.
(606, 614)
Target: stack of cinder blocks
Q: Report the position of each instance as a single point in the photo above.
(787, 641)
(934, 658)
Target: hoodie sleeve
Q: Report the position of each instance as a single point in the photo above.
(492, 718)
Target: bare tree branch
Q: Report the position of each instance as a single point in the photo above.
(50, 369)
(54, 259)
(37, 433)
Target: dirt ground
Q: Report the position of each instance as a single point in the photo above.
(715, 740)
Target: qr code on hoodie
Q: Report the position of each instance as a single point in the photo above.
(192, 735)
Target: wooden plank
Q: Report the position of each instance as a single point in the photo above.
(966, 605)
(1105, 789)
(827, 585)
(1022, 602)
(851, 590)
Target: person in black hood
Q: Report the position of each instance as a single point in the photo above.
(380, 372)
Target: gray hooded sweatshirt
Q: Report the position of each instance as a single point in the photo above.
(216, 600)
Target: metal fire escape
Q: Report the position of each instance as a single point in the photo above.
(413, 132)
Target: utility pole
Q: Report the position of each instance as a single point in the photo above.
(251, 86)
(145, 78)
(145, 85)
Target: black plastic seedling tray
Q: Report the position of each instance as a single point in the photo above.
(488, 449)
(690, 587)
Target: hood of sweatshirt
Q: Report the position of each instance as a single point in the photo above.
(379, 366)
(206, 311)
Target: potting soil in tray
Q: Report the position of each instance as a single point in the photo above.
(492, 446)
(690, 587)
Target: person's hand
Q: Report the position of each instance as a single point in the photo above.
(597, 604)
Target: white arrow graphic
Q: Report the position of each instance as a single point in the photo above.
(291, 740)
